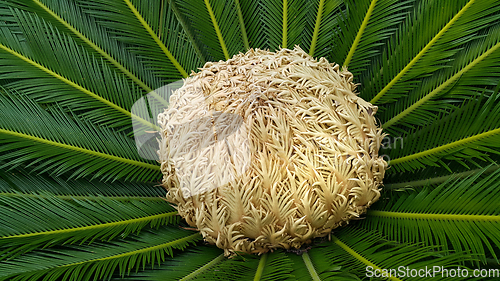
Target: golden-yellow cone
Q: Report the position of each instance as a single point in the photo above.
(270, 150)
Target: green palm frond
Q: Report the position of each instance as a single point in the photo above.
(89, 22)
(251, 13)
(305, 269)
(70, 75)
(325, 22)
(345, 257)
(192, 264)
(354, 250)
(49, 140)
(88, 34)
(271, 266)
(301, 270)
(458, 215)
(468, 133)
(431, 177)
(35, 220)
(218, 25)
(284, 22)
(366, 25)
(433, 33)
(99, 260)
(164, 47)
(19, 180)
(474, 68)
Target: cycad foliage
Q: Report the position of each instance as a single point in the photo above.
(78, 202)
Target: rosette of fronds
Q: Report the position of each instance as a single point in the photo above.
(79, 201)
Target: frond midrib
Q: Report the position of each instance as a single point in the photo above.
(217, 29)
(242, 25)
(80, 197)
(316, 28)
(95, 47)
(437, 180)
(156, 39)
(285, 24)
(361, 29)
(441, 87)
(200, 270)
(189, 34)
(78, 87)
(260, 267)
(433, 216)
(358, 256)
(442, 148)
(147, 249)
(91, 227)
(82, 150)
(310, 267)
(420, 54)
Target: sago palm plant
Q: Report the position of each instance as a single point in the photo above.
(79, 201)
